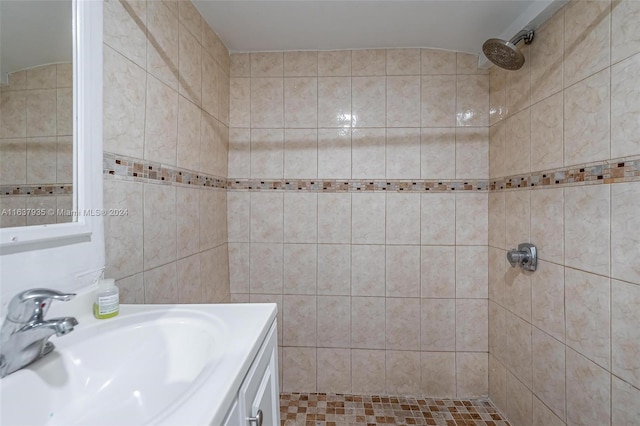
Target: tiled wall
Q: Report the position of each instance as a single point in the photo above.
(564, 340)
(36, 142)
(378, 291)
(166, 91)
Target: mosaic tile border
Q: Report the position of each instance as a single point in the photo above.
(36, 190)
(148, 171)
(321, 409)
(602, 172)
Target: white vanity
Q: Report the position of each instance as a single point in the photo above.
(153, 364)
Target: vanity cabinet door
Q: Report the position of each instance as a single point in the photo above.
(260, 391)
(233, 417)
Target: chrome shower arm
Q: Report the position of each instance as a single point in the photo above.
(526, 35)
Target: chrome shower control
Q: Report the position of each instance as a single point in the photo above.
(526, 256)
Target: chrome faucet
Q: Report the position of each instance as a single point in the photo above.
(24, 335)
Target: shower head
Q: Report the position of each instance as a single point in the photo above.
(506, 54)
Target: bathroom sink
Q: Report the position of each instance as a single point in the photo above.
(153, 364)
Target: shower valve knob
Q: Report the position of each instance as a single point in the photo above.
(526, 256)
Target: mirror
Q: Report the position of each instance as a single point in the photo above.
(36, 113)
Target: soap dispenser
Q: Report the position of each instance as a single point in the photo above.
(107, 303)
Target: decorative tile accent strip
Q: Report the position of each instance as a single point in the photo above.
(602, 172)
(139, 170)
(355, 185)
(320, 409)
(37, 189)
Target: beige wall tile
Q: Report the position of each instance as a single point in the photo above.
(334, 102)
(188, 142)
(403, 219)
(497, 383)
(161, 285)
(472, 375)
(547, 299)
(517, 290)
(239, 162)
(472, 101)
(472, 153)
(188, 280)
(300, 217)
(238, 209)
(438, 214)
(402, 329)
(13, 162)
(123, 234)
(300, 153)
(13, 122)
(466, 63)
(270, 64)
(334, 218)
(188, 221)
(64, 112)
(41, 160)
(497, 152)
(190, 64)
(438, 271)
(368, 270)
(300, 102)
(437, 330)
(436, 61)
(587, 119)
(438, 371)
(518, 92)
(549, 371)
(625, 243)
(518, 143)
(368, 62)
(240, 102)
(587, 305)
(497, 331)
(162, 43)
(519, 408)
(267, 100)
(497, 274)
(279, 301)
(211, 83)
(403, 61)
(542, 415)
(131, 289)
(266, 268)
(403, 271)
(368, 150)
(334, 320)
(587, 230)
(299, 369)
(368, 218)
(41, 112)
(587, 30)
(624, 329)
(517, 231)
(547, 56)
(334, 269)
(438, 105)
(334, 153)
(190, 16)
(472, 272)
(239, 267)
(625, 107)
(159, 225)
(267, 153)
(625, 36)
(299, 317)
(625, 402)
(122, 32)
(300, 266)
(547, 133)
(368, 101)
(401, 368)
(300, 64)
(64, 159)
(267, 217)
(497, 220)
(334, 63)
(161, 123)
(334, 370)
(403, 101)
(368, 322)
(547, 223)
(588, 391)
(472, 324)
(497, 95)
(367, 372)
(403, 153)
(519, 351)
(438, 153)
(471, 219)
(240, 65)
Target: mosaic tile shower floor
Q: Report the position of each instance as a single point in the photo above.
(319, 409)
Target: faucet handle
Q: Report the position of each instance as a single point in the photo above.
(33, 304)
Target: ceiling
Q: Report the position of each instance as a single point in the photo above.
(35, 32)
(460, 25)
